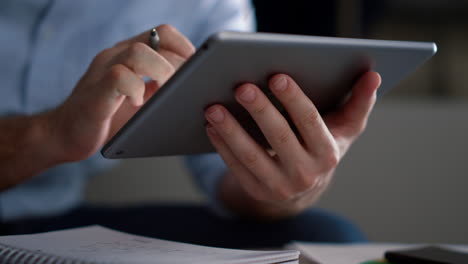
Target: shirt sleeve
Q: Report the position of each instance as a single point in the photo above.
(208, 169)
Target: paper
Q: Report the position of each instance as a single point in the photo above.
(97, 244)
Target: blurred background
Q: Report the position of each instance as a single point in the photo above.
(405, 179)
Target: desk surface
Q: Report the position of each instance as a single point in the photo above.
(351, 253)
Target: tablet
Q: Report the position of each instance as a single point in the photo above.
(172, 122)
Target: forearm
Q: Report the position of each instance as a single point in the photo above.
(27, 148)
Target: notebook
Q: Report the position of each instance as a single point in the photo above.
(97, 244)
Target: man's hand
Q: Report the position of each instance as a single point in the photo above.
(107, 95)
(289, 179)
(113, 89)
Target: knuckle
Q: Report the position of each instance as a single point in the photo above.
(116, 73)
(231, 163)
(282, 193)
(330, 159)
(257, 194)
(250, 158)
(165, 28)
(261, 108)
(284, 135)
(311, 119)
(102, 57)
(168, 70)
(373, 99)
(134, 53)
(136, 49)
(190, 50)
(305, 178)
(361, 127)
(227, 129)
(121, 43)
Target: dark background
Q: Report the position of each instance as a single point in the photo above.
(442, 21)
(297, 17)
(308, 17)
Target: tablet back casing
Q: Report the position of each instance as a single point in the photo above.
(172, 122)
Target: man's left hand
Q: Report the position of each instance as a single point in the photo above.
(289, 179)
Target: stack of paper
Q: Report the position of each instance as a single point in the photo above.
(97, 244)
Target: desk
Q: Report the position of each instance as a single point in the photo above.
(350, 253)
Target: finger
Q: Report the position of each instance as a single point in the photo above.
(175, 60)
(170, 39)
(315, 134)
(127, 109)
(175, 48)
(247, 151)
(101, 64)
(272, 124)
(247, 180)
(117, 84)
(351, 119)
(121, 81)
(151, 88)
(144, 61)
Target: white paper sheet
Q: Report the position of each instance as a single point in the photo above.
(101, 245)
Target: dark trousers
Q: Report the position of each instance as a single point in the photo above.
(197, 224)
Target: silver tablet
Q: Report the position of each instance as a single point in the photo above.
(172, 122)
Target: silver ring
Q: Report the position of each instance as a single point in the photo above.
(154, 39)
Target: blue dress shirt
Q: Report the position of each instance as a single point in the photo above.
(45, 47)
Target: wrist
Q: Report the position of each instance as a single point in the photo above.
(28, 148)
(236, 199)
(45, 139)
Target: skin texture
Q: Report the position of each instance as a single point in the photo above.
(260, 183)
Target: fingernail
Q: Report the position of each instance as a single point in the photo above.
(248, 95)
(280, 84)
(216, 116)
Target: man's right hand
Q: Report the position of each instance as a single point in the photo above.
(112, 90)
(108, 94)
